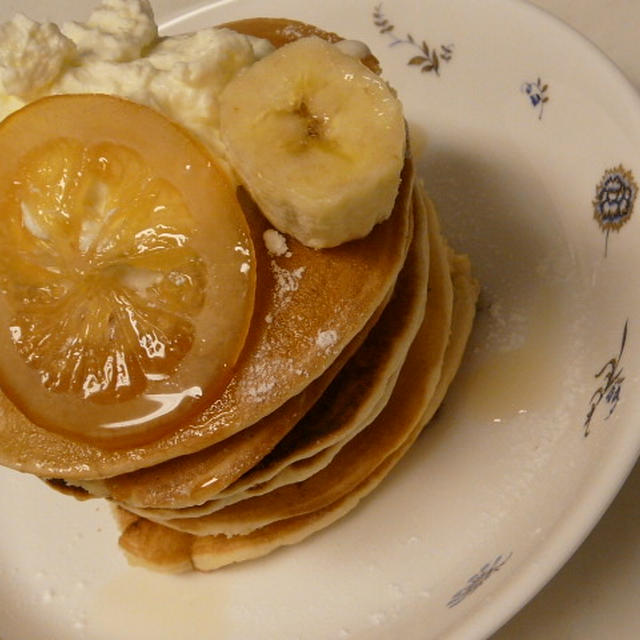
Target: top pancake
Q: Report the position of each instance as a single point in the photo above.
(309, 306)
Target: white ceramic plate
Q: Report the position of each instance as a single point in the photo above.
(523, 130)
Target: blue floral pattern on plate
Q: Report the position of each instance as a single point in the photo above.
(428, 59)
(611, 387)
(478, 579)
(537, 94)
(613, 204)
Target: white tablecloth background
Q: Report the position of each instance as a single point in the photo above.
(596, 596)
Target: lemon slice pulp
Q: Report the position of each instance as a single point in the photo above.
(127, 272)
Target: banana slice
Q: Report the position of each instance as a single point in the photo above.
(317, 139)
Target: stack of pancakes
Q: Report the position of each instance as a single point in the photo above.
(349, 354)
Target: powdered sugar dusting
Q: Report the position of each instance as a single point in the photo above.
(261, 378)
(292, 31)
(276, 243)
(287, 282)
(326, 339)
(259, 391)
(264, 373)
(269, 365)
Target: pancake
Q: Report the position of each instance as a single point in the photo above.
(363, 453)
(157, 547)
(356, 396)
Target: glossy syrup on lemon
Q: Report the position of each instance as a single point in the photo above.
(126, 270)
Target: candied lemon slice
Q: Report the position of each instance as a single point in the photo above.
(127, 273)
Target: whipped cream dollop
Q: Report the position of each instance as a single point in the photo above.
(118, 51)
